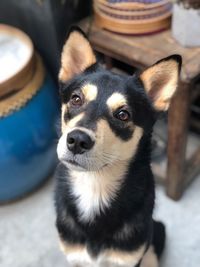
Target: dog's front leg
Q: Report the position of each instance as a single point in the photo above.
(76, 255)
(119, 258)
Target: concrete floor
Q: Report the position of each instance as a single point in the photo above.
(28, 236)
(182, 220)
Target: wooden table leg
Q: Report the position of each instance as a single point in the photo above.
(178, 119)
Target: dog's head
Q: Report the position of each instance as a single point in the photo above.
(104, 115)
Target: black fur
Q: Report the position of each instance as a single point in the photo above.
(158, 238)
(135, 201)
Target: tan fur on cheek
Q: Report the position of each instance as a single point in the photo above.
(73, 122)
(65, 126)
(110, 144)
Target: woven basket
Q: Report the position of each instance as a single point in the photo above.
(13, 102)
(123, 5)
(21, 77)
(133, 17)
(133, 12)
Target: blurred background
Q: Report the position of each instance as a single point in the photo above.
(127, 35)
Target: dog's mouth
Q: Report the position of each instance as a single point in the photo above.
(82, 162)
(74, 162)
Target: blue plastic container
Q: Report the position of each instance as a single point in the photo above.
(28, 143)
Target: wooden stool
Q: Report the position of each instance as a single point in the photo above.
(141, 52)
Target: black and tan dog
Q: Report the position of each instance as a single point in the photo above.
(105, 186)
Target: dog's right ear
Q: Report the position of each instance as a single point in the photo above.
(77, 55)
(161, 80)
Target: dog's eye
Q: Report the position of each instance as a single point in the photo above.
(76, 100)
(123, 115)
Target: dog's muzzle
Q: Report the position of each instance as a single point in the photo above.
(79, 142)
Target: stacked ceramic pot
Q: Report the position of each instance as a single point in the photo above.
(133, 16)
(28, 114)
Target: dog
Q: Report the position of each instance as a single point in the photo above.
(104, 193)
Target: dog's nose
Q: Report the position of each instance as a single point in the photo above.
(79, 142)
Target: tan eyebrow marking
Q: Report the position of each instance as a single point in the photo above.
(90, 92)
(115, 101)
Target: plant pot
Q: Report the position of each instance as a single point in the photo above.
(186, 25)
(46, 22)
(27, 127)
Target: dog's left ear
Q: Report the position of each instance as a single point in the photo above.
(77, 55)
(160, 81)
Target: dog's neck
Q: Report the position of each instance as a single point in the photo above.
(94, 191)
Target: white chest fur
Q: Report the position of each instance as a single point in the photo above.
(95, 191)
